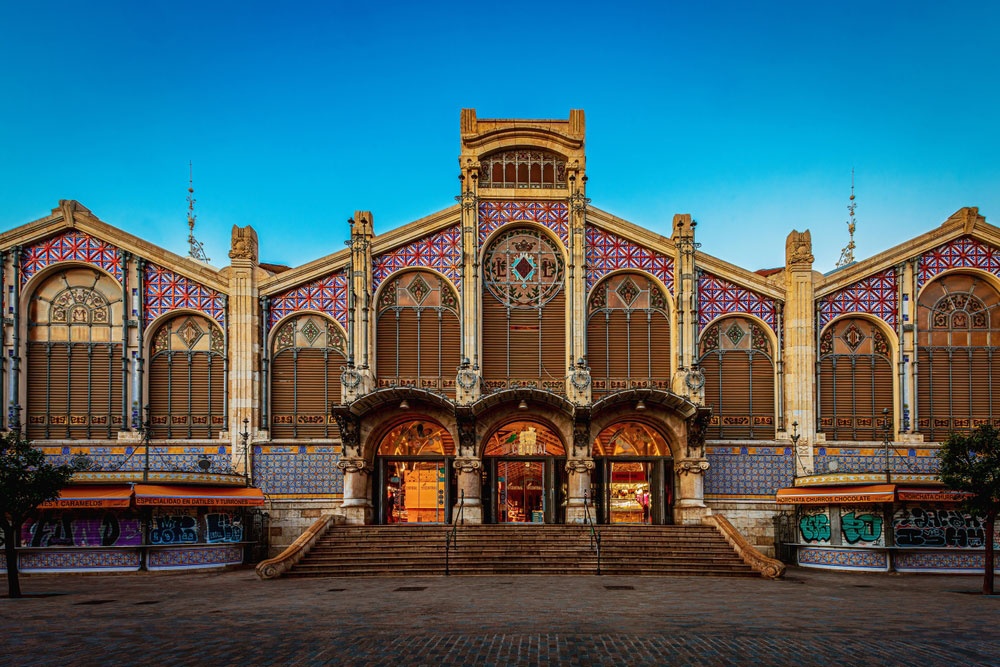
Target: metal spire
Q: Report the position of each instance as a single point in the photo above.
(195, 249)
(847, 254)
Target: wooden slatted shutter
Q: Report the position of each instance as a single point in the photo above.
(554, 361)
(762, 397)
(283, 394)
(494, 346)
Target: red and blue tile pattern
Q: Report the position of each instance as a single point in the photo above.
(607, 252)
(70, 246)
(717, 297)
(962, 253)
(875, 295)
(441, 251)
(496, 213)
(325, 295)
(165, 291)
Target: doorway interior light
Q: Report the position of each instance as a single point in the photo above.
(523, 405)
(404, 405)
(641, 405)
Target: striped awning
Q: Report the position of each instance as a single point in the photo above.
(192, 496)
(82, 497)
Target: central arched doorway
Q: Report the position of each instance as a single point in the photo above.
(524, 480)
(413, 481)
(633, 475)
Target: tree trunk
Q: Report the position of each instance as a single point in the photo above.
(10, 551)
(988, 557)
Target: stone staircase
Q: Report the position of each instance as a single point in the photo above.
(416, 550)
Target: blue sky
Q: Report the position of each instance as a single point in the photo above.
(748, 115)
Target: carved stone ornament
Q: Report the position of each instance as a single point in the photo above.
(467, 378)
(581, 435)
(467, 440)
(244, 243)
(467, 464)
(691, 466)
(350, 379)
(697, 424)
(579, 465)
(354, 465)
(349, 427)
(798, 249)
(695, 379)
(580, 379)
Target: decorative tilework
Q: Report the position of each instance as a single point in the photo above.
(717, 297)
(875, 295)
(964, 252)
(160, 460)
(607, 252)
(846, 559)
(173, 559)
(851, 460)
(552, 214)
(166, 291)
(70, 246)
(79, 561)
(736, 471)
(326, 295)
(298, 472)
(950, 562)
(441, 251)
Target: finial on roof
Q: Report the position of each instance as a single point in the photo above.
(195, 249)
(847, 254)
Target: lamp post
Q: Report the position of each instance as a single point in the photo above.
(795, 446)
(145, 443)
(885, 443)
(245, 435)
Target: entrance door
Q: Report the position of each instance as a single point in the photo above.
(632, 480)
(523, 481)
(520, 491)
(414, 483)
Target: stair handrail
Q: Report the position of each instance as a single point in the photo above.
(273, 568)
(451, 537)
(595, 535)
(769, 568)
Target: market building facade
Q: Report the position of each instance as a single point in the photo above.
(523, 355)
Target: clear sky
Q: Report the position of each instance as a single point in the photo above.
(747, 115)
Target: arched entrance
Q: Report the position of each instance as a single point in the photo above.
(413, 481)
(633, 475)
(524, 480)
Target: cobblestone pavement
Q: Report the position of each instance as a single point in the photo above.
(231, 618)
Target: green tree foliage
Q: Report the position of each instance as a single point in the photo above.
(26, 481)
(970, 462)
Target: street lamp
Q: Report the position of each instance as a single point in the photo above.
(795, 447)
(245, 436)
(885, 443)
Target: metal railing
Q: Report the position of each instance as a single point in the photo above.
(595, 535)
(451, 537)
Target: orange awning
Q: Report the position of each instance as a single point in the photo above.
(822, 495)
(931, 495)
(190, 496)
(82, 497)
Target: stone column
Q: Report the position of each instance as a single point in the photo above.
(578, 388)
(578, 491)
(359, 378)
(467, 385)
(244, 345)
(690, 506)
(357, 505)
(688, 380)
(800, 346)
(468, 468)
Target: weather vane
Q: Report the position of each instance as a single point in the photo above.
(195, 249)
(847, 254)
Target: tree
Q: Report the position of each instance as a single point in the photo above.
(26, 481)
(970, 462)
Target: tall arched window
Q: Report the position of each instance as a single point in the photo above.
(308, 355)
(958, 355)
(187, 379)
(74, 382)
(855, 380)
(739, 379)
(628, 334)
(524, 312)
(418, 333)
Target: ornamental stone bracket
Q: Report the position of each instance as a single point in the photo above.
(579, 465)
(468, 441)
(691, 466)
(350, 432)
(466, 464)
(697, 424)
(581, 432)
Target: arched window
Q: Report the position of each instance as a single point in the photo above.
(628, 334)
(524, 312)
(308, 354)
(958, 360)
(855, 380)
(418, 333)
(522, 168)
(737, 362)
(187, 379)
(74, 380)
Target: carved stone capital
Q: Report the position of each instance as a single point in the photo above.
(579, 465)
(467, 464)
(354, 466)
(691, 466)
